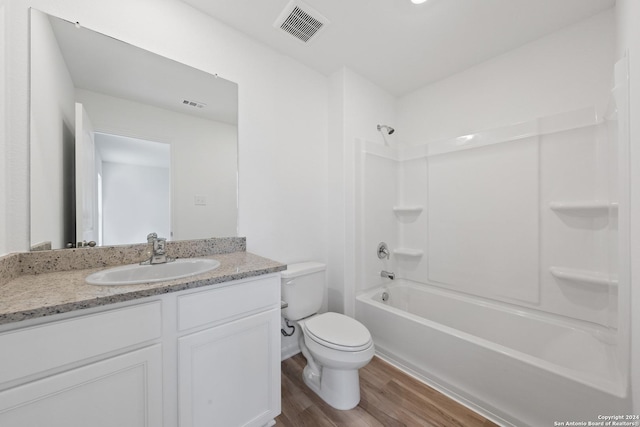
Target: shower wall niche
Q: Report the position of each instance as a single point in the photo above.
(525, 214)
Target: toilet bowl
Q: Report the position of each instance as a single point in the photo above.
(335, 346)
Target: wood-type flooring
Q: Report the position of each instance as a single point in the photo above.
(388, 398)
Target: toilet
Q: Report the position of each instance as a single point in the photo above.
(335, 345)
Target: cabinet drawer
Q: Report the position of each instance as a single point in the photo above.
(228, 302)
(39, 348)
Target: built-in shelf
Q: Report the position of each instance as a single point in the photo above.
(408, 252)
(583, 276)
(407, 209)
(583, 206)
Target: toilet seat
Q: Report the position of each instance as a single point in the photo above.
(339, 332)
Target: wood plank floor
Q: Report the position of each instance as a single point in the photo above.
(388, 398)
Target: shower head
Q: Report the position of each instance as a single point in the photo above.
(389, 129)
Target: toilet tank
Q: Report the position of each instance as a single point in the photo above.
(302, 288)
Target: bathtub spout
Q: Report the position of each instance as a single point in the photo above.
(388, 274)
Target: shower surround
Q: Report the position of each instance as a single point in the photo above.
(509, 247)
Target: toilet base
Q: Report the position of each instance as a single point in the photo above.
(339, 388)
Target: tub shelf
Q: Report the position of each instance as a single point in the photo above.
(583, 206)
(408, 252)
(584, 276)
(408, 210)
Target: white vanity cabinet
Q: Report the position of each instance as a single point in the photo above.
(229, 369)
(207, 356)
(102, 369)
(122, 391)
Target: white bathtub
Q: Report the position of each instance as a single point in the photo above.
(515, 366)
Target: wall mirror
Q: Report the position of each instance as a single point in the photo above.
(125, 142)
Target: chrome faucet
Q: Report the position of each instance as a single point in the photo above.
(158, 252)
(383, 250)
(388, 274)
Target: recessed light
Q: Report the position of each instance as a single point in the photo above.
(418, 1)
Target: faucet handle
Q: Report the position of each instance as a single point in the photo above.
(383, 250)
(159, 246)
(151, 237)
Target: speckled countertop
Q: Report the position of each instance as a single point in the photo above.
(25, 295)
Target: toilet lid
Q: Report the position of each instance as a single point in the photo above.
(338, 331)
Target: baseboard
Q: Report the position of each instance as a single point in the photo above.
(289, 352)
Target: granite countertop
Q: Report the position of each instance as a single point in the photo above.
(31, 296)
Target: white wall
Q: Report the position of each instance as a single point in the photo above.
(628, 15)
(15, 171)
(203, 158)
(136, 201)
(357, 106)
(282, 117)
(3, 134)
(52, 121)
(566, 70)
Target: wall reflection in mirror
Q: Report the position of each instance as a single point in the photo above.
(125, 142)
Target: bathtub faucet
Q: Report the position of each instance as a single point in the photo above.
(383, 251)
(388, 274)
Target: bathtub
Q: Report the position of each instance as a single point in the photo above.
(515, 366)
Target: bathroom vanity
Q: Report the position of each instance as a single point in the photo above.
(193, 352)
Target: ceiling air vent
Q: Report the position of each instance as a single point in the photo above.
(301, 21)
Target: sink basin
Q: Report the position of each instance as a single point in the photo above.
(136, 273)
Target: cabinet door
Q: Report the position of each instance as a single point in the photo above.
(123, 391)
(229, 375)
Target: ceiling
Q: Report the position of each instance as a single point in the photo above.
(103, 64)
(401, 46)
(132, 151)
